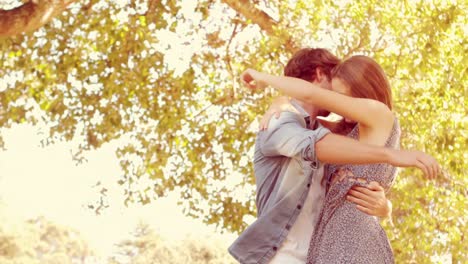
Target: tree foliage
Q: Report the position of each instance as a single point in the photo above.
(42, 241)
(163, 74)
(146, 246)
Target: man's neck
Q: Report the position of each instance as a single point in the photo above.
(310, 109)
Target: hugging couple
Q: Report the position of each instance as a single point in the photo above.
(321, 184)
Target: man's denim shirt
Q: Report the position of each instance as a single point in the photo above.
(284, 164)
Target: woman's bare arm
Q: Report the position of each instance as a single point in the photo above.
(367, 112)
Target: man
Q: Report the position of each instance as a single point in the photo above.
(288, 170)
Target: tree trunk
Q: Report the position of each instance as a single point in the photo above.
(30, 16)
(262, 19)
(36, 13)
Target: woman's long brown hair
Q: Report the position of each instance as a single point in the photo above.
(365, 78)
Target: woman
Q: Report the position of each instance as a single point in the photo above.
(361, 93)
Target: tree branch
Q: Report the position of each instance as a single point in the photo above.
(248, 10)
(30, 16)
(262, 19)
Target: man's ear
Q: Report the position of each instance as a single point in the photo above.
(320, 75)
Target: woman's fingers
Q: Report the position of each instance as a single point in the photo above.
(262, 123)
(247, 84)
(247, 79)
(265, 120)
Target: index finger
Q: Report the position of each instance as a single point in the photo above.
(245, 83)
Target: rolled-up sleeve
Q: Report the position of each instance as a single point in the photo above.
(287, 136)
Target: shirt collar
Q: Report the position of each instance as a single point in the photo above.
(299, 108)
(305, 115)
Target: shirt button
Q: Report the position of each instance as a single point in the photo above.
(308, 185)
(299, 206)
(288, 227)
(275, 248)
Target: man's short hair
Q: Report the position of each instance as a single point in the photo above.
(304, 63)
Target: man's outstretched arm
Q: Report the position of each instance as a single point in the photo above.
(339, 149)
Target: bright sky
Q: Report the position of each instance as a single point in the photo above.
(45, 181)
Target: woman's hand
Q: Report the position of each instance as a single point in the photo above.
(280, 104)
(415, 158)
(252, 79)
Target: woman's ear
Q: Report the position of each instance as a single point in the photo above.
(319, 74)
